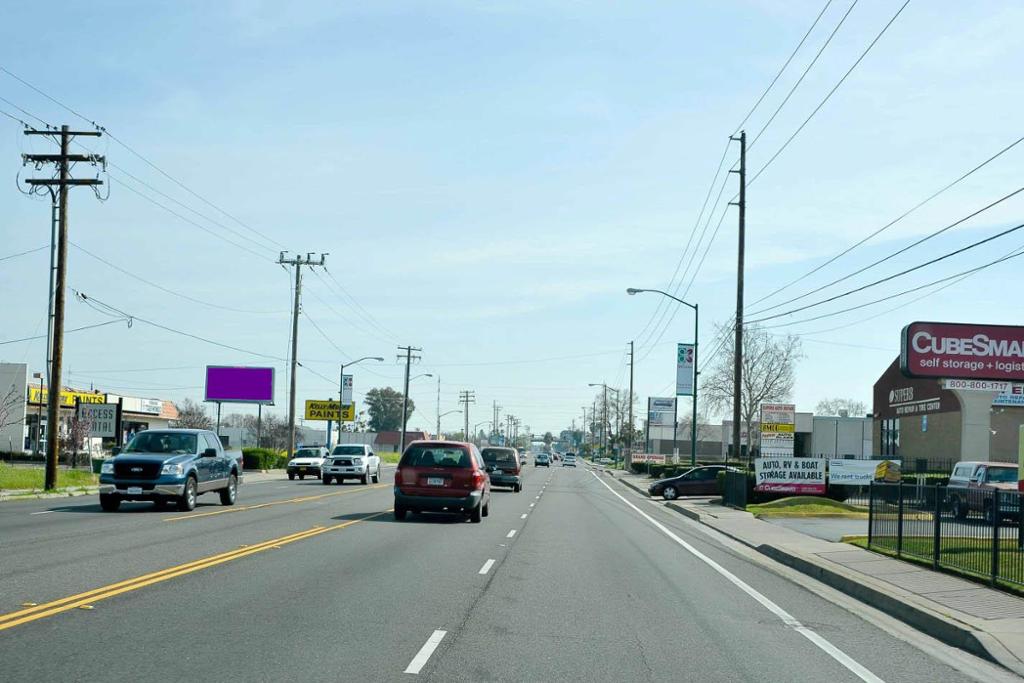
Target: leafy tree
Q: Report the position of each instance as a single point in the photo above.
(192, 415)
(768, 364)
(841, 407)
(548, 438)
(384, 406)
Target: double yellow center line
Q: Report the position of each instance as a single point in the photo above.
(258, 506)
(86, 599)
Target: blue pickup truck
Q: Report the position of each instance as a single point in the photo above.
(170, 466)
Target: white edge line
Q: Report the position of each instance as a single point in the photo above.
(487, 567)
(44, 512)
(828, 648)
(420, 660)
(511, 534)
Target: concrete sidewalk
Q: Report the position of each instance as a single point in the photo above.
(961, 613)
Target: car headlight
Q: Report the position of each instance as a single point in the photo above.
(107, 468)
(173, 468)
(357, 461)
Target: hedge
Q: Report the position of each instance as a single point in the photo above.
(263, 459)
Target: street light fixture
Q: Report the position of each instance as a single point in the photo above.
(450, 412)
(341, 392)
(693, 423)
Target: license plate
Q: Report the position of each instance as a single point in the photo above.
(134, 490)
(435, 481)
(302, 469)
(498, 472)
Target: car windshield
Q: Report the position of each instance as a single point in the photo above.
(307, 453)
(436, 456)
(1002, 475)
(347, 450)
(175, 443)
(494, 456)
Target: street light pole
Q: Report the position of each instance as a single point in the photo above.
(341, 393)
(696, 329)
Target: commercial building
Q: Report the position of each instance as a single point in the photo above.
(23, 407)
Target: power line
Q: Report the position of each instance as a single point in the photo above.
(786, 64)
(895, 253)
(830, 93)
(892, 222)
(325, 335)
(165, 289)
(74, 329)
(896, 275)
(359, 308)
(24, 253)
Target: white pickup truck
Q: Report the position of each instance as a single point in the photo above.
(351, 461)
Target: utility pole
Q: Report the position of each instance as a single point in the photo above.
(583, 439)
(465, 398)
(737, 363)
(629, 437)
(298, 261)
(437, 435)
(63, 161)
(409, 358)
(604, 424)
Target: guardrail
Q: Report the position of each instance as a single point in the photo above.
(976, 532)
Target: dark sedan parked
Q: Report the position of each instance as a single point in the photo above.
(700, 481)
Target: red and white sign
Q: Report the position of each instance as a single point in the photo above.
(963, 351)
(790, 475)
(653, 458)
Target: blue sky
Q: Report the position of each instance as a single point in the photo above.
(489, 177)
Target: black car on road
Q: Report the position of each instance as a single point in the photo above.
(698, 481)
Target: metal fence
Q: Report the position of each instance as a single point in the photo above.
(971, 531)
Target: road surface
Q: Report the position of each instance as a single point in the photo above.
(572, 579)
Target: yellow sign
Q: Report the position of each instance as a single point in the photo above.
(328, 410)
(67, 398)
(779, 427)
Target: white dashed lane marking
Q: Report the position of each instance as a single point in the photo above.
(511, 534)
(487, 566)
(420, 660)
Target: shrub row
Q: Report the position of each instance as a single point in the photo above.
(263, 459)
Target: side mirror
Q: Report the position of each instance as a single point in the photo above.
(210, 453)
(116, 450)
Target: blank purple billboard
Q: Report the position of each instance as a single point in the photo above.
(227, 384)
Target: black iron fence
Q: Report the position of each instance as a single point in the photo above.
(972, 531)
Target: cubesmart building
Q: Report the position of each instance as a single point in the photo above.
(955, 393)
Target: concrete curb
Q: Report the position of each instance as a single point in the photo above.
(635, 487)
(939, 626)
(8, 496)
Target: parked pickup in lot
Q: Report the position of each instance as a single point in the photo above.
(972, 485)
(170, 466)
(351, 461)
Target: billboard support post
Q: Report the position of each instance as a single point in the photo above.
(259, 424)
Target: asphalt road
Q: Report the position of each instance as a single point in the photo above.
(563, 581)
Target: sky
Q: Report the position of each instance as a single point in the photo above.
(487, 178)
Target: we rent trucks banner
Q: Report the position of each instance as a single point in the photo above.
(790, 475)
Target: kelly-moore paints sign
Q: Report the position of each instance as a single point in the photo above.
(778, 429)
(862, 472)
(966, 351)
(790, 475)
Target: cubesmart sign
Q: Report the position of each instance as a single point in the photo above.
(790, 475)
(962, 351)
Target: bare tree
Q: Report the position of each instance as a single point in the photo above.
(841, 407)
(73, 437)
(8, 401)
(192, 415)
(768, 363)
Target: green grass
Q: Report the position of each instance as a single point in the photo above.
(390, 458)
(33, 478)
(807, 506)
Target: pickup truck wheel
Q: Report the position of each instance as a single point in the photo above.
(291, 477)
(302, 477)
(990, 517)
(160, 503)
(365, 479)
(326, 479)
(376, 476)
(187, 500)
(110, 503)
(959, 509)
(230, 492)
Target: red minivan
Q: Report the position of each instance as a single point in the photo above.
(442, 476)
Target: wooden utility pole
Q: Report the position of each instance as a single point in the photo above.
(629, 437)
(466, 397)
(298, 261)
(409, 358)
(63, 161)
(737, 387)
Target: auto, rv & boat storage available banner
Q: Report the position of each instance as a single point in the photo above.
(790, 475)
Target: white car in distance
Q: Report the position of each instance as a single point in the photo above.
(351, 461)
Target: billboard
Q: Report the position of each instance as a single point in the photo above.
(790, 475)
(684, 369)
(778, 429)
(228, 384)
(962, 351)
(862, 472)
(329, 410)
(661, 412)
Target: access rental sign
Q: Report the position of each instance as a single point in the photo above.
(790, 475)
(962, 351)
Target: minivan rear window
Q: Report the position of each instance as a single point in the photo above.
(434, 456)
(498, 455)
